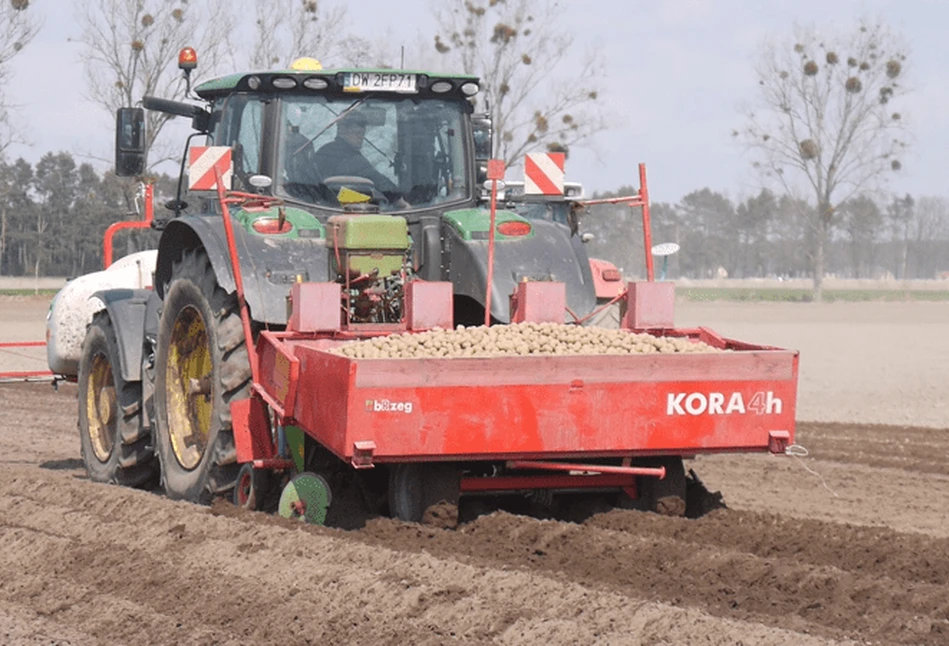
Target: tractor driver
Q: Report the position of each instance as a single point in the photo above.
(343, 155)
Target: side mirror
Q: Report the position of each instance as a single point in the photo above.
(129, 142)
(482, 129)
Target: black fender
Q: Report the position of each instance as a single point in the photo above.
(269, 264)
(551, 254)
(127, 309)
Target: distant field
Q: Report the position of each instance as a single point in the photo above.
(750, 289)
(800, 290)
(28, 292)
(27, 285)
(793, 295)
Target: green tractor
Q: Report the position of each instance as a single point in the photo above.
(367, 178)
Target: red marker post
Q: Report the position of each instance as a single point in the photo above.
(495, 173)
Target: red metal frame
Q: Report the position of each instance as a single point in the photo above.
(641, 199)
(22, 375)
(254, 201)
(495, 174)
(114, 228)
(657, 472)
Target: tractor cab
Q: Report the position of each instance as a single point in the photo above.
(392, 140)
(396, 140)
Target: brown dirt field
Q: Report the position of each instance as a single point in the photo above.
(847, 545)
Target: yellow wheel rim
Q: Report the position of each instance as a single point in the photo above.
(101, 407)
(189, 388)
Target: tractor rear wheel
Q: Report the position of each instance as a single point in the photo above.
(202, 366)
(115, 447)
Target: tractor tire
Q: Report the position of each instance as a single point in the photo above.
(114, 445)
(424, 492)
(666, 496)
(202, 366)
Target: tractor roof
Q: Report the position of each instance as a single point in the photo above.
(338, 80)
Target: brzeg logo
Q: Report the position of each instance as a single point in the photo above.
(387, 406)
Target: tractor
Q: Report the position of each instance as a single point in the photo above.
(327, 206)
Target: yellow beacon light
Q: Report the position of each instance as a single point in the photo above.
(306, 64)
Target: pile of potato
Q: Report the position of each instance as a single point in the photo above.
(518, 339)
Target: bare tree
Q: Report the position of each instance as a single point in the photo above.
(131, 49)
(18, 26)
(523, 56)
(827, 120)
(288, 29)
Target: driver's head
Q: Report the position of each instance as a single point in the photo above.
(352, 128)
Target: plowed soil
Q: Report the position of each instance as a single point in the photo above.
(849, 544)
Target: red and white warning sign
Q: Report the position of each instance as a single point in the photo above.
(543, 173)
(203, 160)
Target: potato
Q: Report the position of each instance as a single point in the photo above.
(521, 339)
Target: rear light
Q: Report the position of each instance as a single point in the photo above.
(271, 226)
(611, 275)
(514, 228)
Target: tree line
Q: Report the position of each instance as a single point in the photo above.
(53, 216)
(772, 235)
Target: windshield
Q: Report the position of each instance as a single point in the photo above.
(398, 153)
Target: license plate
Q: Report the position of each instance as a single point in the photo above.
(380, 81)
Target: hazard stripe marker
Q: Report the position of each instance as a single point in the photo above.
(203, 160)
(543, 173)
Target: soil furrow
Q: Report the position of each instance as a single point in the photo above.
(776, 591)
(198, 577)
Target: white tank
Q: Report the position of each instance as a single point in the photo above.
(73, 307)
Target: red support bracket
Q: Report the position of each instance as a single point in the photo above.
(538, 302)
(362, 454)
(649, 306)
(251, 430)
(115, 227)
(778, 441)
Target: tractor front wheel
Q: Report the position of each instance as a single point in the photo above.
(115, 448)
(202, 365)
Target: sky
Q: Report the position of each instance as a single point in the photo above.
(678, 75)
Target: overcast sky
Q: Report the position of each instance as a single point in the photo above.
(677, 74)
